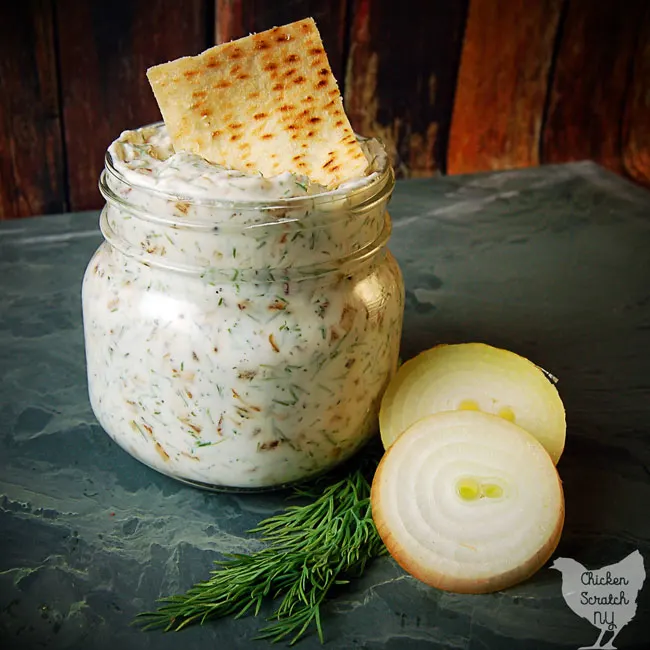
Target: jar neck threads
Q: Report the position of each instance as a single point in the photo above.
(283, 240)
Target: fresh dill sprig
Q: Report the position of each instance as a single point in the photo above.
(310, 549)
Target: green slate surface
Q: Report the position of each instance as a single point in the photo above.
(553, 263)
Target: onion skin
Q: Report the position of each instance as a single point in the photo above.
(456, 583)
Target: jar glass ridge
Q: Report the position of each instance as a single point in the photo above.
(241, 344)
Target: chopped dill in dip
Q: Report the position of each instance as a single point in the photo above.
(240, 330)
(146, 157)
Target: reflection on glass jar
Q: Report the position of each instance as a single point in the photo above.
(241, 344)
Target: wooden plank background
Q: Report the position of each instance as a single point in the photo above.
(104, 50)
(401, 74)
(451, 86)
(502, 84)
(238, 18)
(636, 132)
(592, 75)
(31, 153)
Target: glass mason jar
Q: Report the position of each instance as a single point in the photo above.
(241, 345)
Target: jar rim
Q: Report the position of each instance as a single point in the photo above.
(382, 177)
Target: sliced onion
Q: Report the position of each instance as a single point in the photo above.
(468, 502)
(479, 377)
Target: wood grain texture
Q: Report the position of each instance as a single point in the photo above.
(636, 119)
(105, 49)
(592, 73)
(502, 84)
(400, 78)
(238, 18)
(31, 158)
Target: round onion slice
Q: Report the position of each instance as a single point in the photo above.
(478, 377)
(468, 502)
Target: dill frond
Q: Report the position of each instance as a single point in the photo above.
(310, 549)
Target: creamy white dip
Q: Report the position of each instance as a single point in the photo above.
(240, 330)
(146, 157)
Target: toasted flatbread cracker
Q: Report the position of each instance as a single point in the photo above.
(266, 103)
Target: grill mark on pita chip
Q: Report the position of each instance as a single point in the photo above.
(262, 80)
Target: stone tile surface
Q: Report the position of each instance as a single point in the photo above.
(553, 263)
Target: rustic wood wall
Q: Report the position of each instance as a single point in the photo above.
(452, 86)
